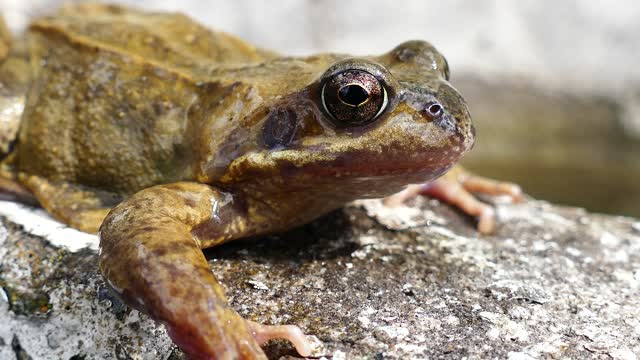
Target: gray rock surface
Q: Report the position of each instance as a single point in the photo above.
(369, 282)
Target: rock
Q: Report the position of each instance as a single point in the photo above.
(552, 282)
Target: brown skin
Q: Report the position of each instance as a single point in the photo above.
(188, 138)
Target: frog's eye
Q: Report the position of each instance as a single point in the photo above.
(353, 97)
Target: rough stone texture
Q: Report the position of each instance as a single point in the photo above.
(369, 283)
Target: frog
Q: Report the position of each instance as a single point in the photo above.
(166, 138)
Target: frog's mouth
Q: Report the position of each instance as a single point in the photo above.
(362, 166)
(420, 168)
(355, 176)
(347, 176)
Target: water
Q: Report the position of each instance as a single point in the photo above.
(564, 148)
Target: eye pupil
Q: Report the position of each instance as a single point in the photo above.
(353, 95)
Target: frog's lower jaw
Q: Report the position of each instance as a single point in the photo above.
(150, 255)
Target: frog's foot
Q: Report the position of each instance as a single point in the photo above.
(456, 188)
(264, 333)
(215, 334)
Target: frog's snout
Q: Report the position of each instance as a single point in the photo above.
(440, 115)
(440, 110)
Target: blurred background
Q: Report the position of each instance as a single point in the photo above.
(554, 87)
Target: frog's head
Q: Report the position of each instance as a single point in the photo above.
(370, 125)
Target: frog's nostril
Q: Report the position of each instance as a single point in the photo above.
(435, 109)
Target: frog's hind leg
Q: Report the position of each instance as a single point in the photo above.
(456, 187)
(13, 191)
(78, 207)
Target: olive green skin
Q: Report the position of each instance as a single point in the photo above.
(121, 101)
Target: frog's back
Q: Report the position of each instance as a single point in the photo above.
(111, 93)
(170, 39)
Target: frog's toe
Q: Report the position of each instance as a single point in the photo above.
(456, 188)
(479, 184)
(264, 333)
(457, 194)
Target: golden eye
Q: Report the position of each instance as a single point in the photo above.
(353, 97)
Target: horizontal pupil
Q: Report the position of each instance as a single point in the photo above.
(353, 95)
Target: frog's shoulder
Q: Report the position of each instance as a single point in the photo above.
(167, 39)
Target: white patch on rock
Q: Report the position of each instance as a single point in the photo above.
(518, 290)
(38, 222)
(391, 332)
(405, 348)
(623, 354)
(608, 239)
(519, 356)
(66, 332)
(620, 256)
(364, 321)
(258, 285)
(505, 328)
(627, 277)
(452, 320)
(554, 346)
(399, 217)
(493, 333)
(339, 355)
(574, 252)
(558, 219)
(519, 313)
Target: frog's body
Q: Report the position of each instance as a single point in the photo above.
(200, 138)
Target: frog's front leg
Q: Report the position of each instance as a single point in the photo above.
(456, 187)
(151, 254)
